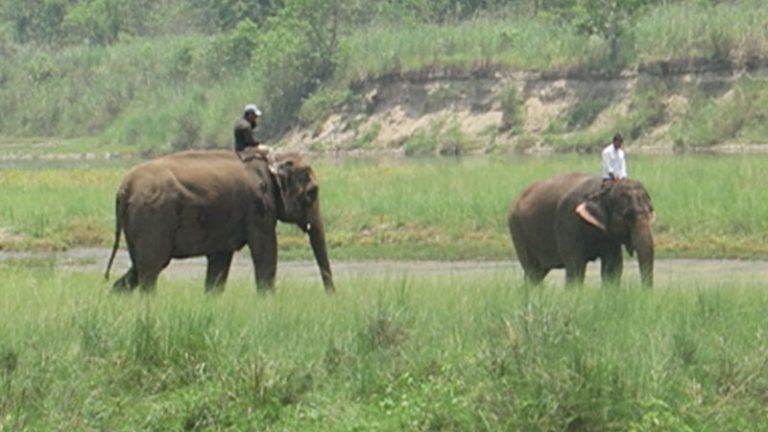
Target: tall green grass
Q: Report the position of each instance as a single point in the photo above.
(390, 351)
(58, 208)
(159, 95)
(707, 206)
(702, 30)
(518, 43)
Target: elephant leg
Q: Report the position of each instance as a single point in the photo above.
(218, 270)
(150, 268)
(127, 282)
(263, 246)
(611, 266)
(148, 281)
(534, 274)
(152, 256)
(574, 272)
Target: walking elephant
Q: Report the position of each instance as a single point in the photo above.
(212, 203)
(570, 219)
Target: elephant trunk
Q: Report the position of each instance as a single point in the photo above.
(316, 233)
(642, 242)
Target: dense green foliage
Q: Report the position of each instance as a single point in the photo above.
(454, 209)
(390, 351)
(168, 75)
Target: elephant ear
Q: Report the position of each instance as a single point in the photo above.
(273, 166)
(281, 171)
(592, 213)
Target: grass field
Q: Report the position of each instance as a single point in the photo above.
(390, 351)
(708, 206)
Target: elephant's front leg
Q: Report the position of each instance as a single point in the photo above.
(575, 269)
(611, 266)
(263, 246)
(218, 270)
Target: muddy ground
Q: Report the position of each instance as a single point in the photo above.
(668, 272)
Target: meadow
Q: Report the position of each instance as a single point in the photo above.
(389, 351)
(392, 350)
(707, 206)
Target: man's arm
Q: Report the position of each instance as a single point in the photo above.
(244, 136)
(253, 141)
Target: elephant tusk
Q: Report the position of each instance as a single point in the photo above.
(582, 211)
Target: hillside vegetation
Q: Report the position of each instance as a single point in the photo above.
(147, 76)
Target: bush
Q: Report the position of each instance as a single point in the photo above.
(301, 52)
(579, 116)
(231, 53)
(739, 116)
(420, 143)
(321, 104)
(511, 110)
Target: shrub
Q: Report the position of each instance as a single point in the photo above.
(579, 116)
(511, 110)
(321, 104)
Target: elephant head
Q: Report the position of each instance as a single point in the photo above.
(298, 203)
(624, 212)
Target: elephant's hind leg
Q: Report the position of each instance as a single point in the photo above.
(148, 281)
(156, 256)
(127, 282)
(218, 270)
(534, 274)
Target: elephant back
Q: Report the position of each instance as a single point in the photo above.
(196, 175)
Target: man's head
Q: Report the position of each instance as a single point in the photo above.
(618, 141)
(251, 112)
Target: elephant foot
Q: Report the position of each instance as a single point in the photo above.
(148, 289)
(266, 291)
(214, 289)
(122, 289)
(126, 284)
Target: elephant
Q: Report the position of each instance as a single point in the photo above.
(569, 219)
(212, 203)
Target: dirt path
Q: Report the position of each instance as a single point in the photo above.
(667, 272)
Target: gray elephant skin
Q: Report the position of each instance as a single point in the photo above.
(212, 203)
(570, 219)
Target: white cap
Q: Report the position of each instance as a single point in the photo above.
(252, 108)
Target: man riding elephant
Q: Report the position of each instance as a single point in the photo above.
(245, 128)
(614, 160)
(568, 220)
(212, 203)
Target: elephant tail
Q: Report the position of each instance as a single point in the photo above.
(118, 228)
